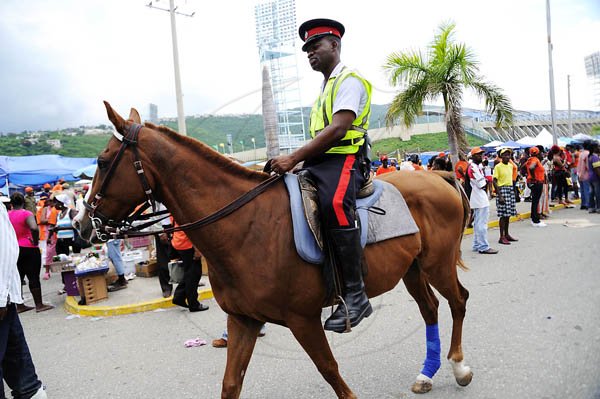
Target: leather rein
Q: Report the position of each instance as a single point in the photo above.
(108, 228)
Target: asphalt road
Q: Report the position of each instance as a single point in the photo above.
(532, 330)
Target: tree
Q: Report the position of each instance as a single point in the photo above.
(446, 70)
(269, 116)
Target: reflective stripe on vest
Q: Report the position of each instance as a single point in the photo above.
(321, 114)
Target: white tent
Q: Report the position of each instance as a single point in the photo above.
(492, 144)
(527, 141)
(582, 137)
(544, 138)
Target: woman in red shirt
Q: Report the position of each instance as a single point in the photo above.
(192, 272)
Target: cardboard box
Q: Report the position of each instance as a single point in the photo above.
(146, 269)
(57, 267)
(92, 288)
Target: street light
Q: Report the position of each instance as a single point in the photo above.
(254, 145)
(242, 143)
(178, 95)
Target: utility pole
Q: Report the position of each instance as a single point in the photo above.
(178, 95)
(551, 76)
(569, 99)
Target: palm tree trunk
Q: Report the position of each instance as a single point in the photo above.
(457, 139)
(269, 116)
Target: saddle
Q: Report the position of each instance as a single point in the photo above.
(376, 197)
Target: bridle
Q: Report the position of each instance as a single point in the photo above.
(108, 228)
(100, 221)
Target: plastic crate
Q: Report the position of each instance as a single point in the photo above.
(92, 288)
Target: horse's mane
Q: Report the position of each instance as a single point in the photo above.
(210, 154)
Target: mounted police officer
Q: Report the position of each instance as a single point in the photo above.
(335, 160)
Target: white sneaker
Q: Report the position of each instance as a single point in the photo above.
(540, 224)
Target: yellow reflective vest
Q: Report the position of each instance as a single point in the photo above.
(321, 114)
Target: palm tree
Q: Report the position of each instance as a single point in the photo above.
(446, 70)
(269, 116)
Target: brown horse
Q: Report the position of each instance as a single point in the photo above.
(255, 273)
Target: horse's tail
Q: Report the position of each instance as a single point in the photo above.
(466, 215)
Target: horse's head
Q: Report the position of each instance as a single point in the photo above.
(120, 182)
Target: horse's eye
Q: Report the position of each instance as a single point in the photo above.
(102, 164)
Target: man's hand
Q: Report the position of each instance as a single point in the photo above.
(164, 238)
(501, 199)
(3, 311)
(197, 254)
(283, 163)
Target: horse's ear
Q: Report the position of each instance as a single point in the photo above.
(115, 118)
(135, 116)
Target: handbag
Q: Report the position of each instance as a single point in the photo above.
(80, 242)
(175, 272)
(569, 182)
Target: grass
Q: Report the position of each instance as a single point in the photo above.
(419, 143)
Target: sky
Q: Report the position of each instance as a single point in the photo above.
(60, 59)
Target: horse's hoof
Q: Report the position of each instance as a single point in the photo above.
(466, 380)
(421, 387)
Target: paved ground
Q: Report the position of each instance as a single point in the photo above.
(531, 332)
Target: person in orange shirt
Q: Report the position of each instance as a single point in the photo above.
(536, 177)
(385, 167)
(46, 217)
(414, 159)
(58, 186)
(192, 272)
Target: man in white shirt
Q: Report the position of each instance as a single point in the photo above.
(16, 365)
(335, 161)
(480, 203)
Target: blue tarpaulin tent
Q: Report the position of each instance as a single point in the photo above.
(512, 144)
(36, 170)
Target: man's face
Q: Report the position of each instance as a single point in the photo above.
(477, 158)
(505, 156)
(321, 53)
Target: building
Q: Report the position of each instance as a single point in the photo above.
(54, 143)
(275, 39)
(592, 70)
(153, 113)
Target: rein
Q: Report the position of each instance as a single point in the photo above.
(213, 217)
(106, 227)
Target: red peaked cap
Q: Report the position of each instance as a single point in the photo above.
(315, 29)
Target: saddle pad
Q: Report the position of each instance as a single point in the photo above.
(397, 222)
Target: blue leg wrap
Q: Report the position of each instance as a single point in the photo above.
(432, 362)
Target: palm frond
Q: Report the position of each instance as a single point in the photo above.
(439, 46)
(496, 103)
(408, 104)
(405, 67)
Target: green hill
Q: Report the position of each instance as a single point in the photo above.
(210, 129)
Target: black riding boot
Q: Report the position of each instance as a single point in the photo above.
(348, 254)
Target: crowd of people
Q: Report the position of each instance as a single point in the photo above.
(542, 177)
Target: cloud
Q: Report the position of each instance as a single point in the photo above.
(61, 59)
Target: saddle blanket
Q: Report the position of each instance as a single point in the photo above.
(396, 222)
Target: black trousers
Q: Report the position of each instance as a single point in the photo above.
(536, 194)
(338, 179)
(64, 245)
(29, 264)
(192, 272)
(17, 368)
(163, 255)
